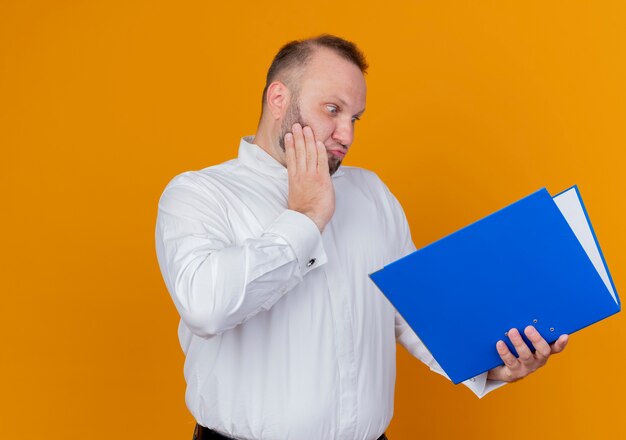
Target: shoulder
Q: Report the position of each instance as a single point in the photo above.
(361, 175)
(373, 188)
(206, 177)
(199, 189)
(368, 181)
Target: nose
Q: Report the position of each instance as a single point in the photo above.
(344, 132)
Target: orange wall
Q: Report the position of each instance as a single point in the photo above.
(471, 106)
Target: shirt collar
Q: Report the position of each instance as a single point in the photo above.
(255, 157)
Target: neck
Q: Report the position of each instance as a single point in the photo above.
(266, 139)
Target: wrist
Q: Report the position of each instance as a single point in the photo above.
(320, 223)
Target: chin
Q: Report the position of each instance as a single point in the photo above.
(333, 166)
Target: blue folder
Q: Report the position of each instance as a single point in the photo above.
(536, 262)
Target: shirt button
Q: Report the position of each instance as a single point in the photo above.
(311, 262)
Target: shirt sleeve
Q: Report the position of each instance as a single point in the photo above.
(215, 284)
(405, 335)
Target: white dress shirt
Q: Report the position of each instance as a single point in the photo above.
(285, 335)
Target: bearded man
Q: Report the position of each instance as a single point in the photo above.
(267, 258)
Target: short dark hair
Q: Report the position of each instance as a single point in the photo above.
(298, 52)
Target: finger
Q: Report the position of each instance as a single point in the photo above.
(322, 158)
(507, 357)
(523, 352)
(311, 149)
(542, 349)
(559, 345)
(300, 149)
(290, 154)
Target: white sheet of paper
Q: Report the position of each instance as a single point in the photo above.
(570, 206)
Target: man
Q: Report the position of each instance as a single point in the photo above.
(267, 260)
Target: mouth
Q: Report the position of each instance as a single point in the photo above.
(337, 153)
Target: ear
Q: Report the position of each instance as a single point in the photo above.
(278, 97)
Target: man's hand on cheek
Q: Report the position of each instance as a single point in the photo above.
(311, 190)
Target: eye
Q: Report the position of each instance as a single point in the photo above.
(355, 118)
(332, 109)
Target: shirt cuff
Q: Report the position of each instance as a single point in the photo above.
(304, 238)
(481, 386)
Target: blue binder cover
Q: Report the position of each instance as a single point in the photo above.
(536, 262)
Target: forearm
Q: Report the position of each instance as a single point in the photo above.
(480, 385)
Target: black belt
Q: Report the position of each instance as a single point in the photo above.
(202, 433)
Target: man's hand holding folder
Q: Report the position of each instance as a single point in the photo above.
(516, 368)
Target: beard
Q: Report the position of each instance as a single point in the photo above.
(293, 116)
